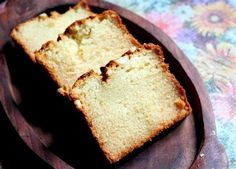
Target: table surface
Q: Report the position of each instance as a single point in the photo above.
(206, 32)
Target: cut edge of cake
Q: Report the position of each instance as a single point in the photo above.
(53, 14)
(104, 76)
(118, 22)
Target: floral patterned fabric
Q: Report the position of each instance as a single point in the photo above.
(205, 30)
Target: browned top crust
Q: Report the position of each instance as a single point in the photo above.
(106, 14)
(113, 64)
(102, 16)
(53, 14)
(110, 65)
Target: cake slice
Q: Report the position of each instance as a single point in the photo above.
(32, 34)
(87, 44)
(134, 99)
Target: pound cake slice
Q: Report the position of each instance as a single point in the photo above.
(86, 44)
(134, 99)
(32, 34)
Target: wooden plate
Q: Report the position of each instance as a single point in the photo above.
(58, 134)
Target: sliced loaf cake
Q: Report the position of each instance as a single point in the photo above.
(32, 34)
(87, 44)
(134, 99)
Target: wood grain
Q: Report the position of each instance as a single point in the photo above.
(51, 127)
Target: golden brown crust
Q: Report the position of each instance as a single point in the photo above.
(54, 15)
(83, 77)
(21, 43)
(50, 71)
(81, 80)
(106, 14)
(45, 65)
(112, 65)
(123, 27)
(39, 57)
(82, 4)
(105, 70)
(165, 68)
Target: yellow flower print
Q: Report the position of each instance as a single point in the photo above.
(213, 19)
(217, 61)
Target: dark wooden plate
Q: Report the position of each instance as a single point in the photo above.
(58, 134)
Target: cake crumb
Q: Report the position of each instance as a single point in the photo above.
(202, 155)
